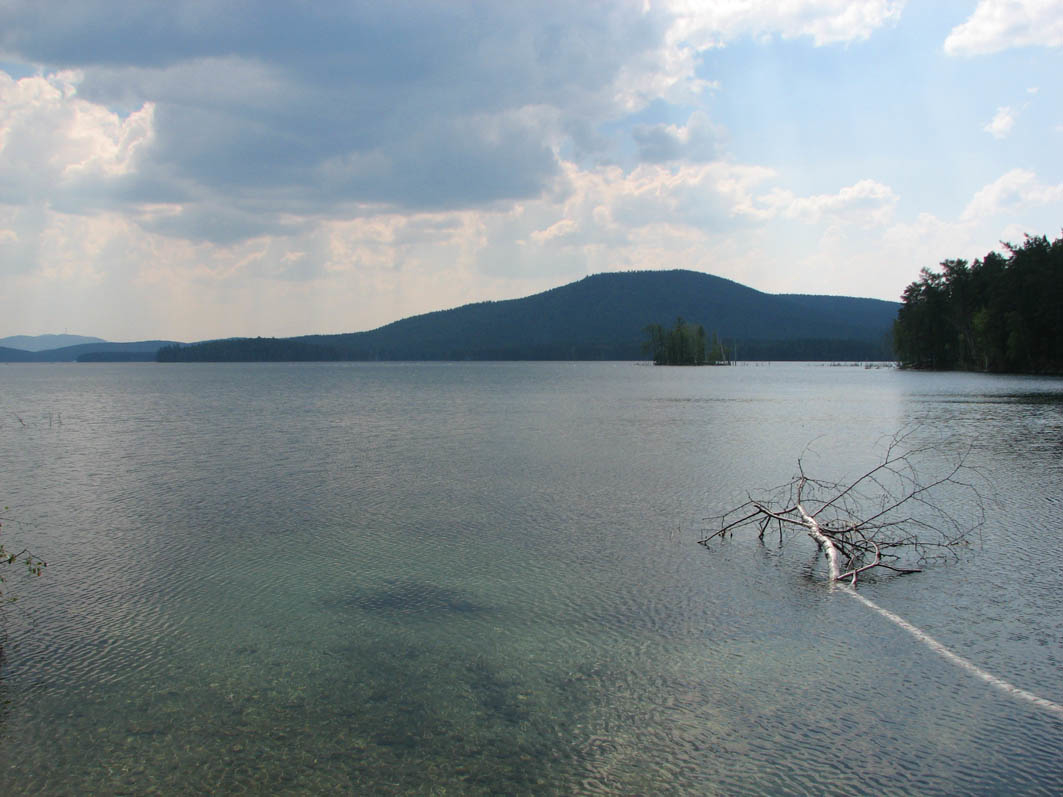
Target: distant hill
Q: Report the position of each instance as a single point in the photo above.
(43, 342)
(602, 317)
(143, 350)
(8, 355)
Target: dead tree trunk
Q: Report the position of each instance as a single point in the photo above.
(890, 517)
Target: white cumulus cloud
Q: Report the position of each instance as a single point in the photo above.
(1001, 124)
(865, 202)
(1015, 190)
(704, 23)
(1000, 24)
(53, 144)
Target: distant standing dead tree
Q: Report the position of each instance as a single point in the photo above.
(891, 517)
(29, 560)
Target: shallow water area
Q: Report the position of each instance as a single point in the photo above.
(484, 578)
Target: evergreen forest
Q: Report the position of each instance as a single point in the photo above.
(684, 344)
(247, 350)
(1002, 313)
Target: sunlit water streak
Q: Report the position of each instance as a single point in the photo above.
(482, 578)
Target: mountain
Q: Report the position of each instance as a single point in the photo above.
(43, 342)
(9, 355)
(601, 317)
(138, 351)
(604, 317)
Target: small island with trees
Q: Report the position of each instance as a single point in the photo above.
(684, 344)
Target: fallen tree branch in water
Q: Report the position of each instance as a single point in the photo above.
(887, 518)
(891, 517)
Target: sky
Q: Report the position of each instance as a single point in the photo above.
(195, 169)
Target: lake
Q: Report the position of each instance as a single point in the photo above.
(484, 578)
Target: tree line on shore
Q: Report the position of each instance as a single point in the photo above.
(248, 350)
(1001, 313)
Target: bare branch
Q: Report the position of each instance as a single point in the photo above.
(889, 517)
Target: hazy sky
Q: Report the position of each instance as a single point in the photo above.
(203, 168)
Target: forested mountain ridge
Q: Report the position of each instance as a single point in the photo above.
(999, 313)
(601, 317)
(604, 316)
(102, 351)
(9, 355)
(45, 342)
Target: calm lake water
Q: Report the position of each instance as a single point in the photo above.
(484, 578)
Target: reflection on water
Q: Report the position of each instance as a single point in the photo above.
(482, 578)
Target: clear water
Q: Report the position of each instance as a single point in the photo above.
(483, 578)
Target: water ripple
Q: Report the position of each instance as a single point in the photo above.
(481, 579)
